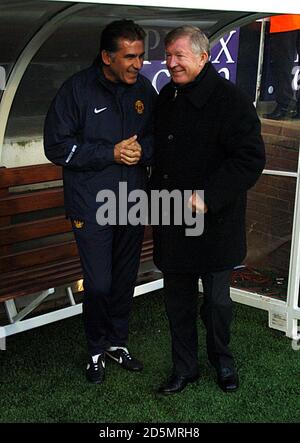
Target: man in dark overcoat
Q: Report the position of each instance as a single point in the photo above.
(208, 137)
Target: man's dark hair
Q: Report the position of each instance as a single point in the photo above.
(120, 29)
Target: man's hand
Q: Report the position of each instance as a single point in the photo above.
(196, 204)
(128, 152)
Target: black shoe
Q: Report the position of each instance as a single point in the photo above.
(123, 357)
(95, 371)
(176, 384)
(281, 113)
(228, 379)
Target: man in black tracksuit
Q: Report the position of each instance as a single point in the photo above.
(99, 128)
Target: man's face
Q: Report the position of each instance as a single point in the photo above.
(184, 65)
(124, 64)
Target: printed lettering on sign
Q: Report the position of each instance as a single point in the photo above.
(224, 55)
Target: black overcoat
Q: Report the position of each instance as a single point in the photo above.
(208, 137)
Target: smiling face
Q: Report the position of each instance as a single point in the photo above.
(184, 64)
(124, 64)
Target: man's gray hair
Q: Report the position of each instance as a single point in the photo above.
(199, 41)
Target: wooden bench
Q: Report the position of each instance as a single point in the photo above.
(38, 250)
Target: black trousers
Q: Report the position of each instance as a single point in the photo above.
(284, 48)
(110, 259)
(181, 300)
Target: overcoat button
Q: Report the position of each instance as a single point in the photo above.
(170, 137)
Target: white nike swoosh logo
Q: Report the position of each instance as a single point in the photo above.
(118, 360)
(97, 111)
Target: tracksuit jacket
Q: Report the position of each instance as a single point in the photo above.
(88, 116)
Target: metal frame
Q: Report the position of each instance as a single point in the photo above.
(269, 6)
(283, 316)
(19, 324)
(16, 316)
(23, 61)
(260, 61)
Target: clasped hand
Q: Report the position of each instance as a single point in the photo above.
(128, 152)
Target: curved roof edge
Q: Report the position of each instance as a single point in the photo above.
(264, 6)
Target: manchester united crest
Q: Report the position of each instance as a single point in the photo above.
(139, 106)
(78, 224)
